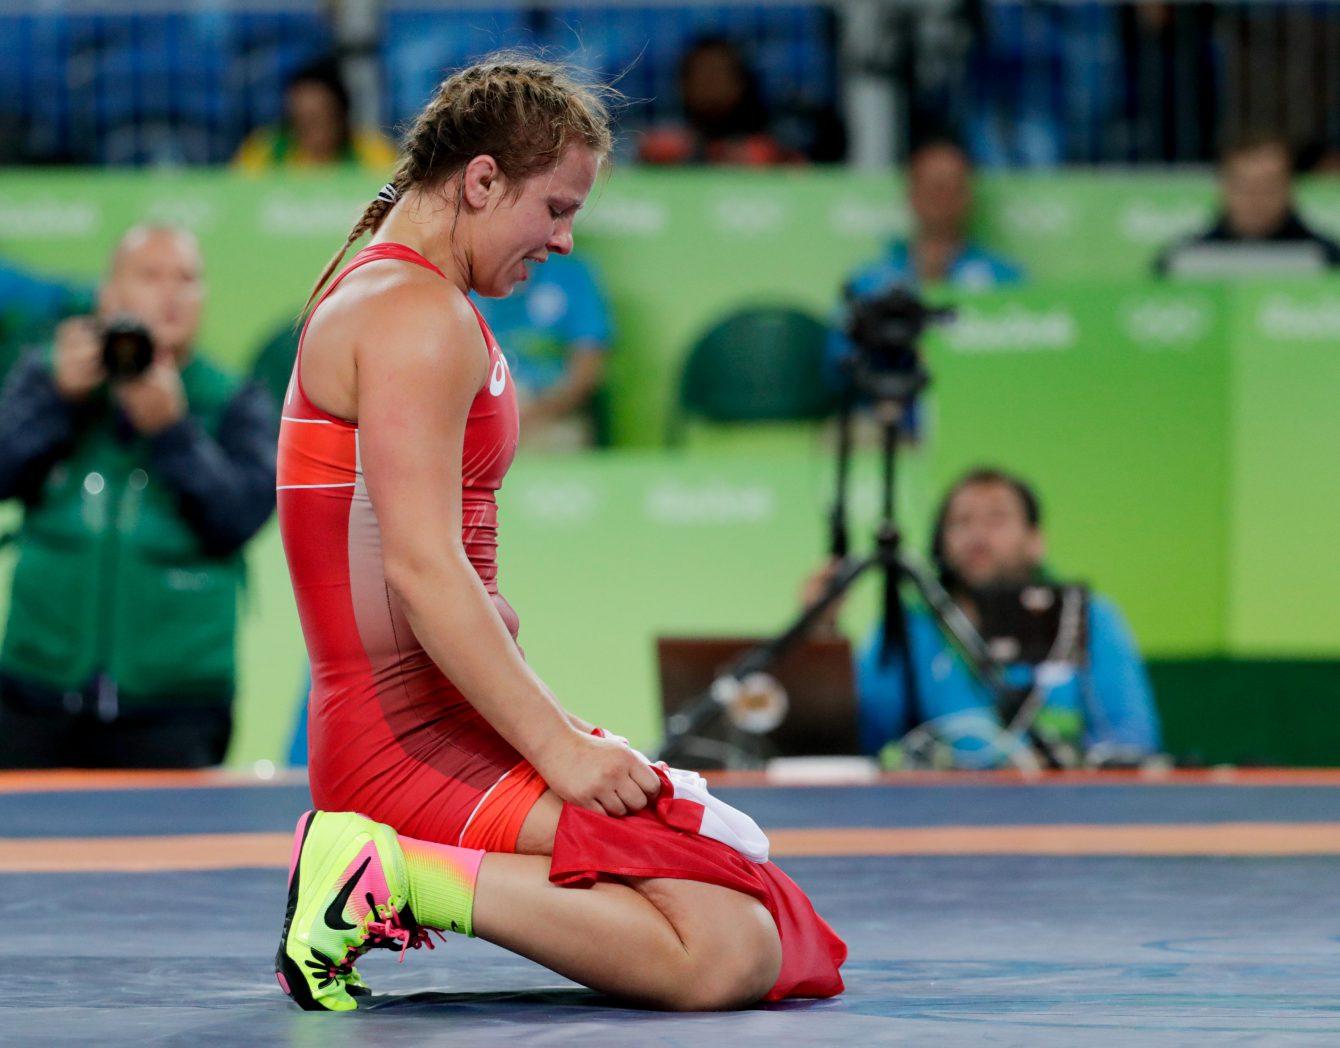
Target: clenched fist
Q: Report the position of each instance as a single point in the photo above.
(598, 774)
(154, 400)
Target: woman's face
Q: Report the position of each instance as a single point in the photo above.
(525, 229)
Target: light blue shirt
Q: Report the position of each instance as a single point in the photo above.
(975, 269)
(537, 325)
(1111, 699)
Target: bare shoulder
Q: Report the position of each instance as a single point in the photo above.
(404, 299)
(392, 325)
(406, 316)
(418, 349)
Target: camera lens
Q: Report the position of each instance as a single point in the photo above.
(127, 348)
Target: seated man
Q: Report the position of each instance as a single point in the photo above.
(988, 533)
(1257, 214)
(938, 250)
(139, 489)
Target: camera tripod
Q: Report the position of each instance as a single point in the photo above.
(886, 372)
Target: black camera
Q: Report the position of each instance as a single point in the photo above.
(127, 348)
(885, 329)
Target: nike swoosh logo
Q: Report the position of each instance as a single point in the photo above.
(335, 911)
(498, 380)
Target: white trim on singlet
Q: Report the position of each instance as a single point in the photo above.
(313, 421)
(290, 487)
(481, 804)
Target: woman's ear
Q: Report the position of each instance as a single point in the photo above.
(481, 181)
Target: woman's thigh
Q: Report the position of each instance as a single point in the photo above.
(537, 832)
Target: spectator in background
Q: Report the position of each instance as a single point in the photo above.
(988, 532)
(555, 331)
(1257, 206)
(139, 491)
(939, 249)
(725, 120)
(316, 129)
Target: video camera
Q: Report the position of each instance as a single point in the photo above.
(885, 329)
(127, 348)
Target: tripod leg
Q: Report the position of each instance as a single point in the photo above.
(705, 707)
(959, 631)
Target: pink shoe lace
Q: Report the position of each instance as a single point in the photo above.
(390, 931)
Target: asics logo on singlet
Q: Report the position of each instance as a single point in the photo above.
(498, 380)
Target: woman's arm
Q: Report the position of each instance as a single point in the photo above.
(417, 375)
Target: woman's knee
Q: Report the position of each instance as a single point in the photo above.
(730, 964)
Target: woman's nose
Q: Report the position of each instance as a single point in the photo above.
(561, 241)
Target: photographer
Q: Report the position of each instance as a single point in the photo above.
(988, 533)
(143, 470)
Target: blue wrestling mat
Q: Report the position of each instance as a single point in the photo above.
(1191, 909)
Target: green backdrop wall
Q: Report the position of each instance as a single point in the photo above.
(677, 248)
(1181, 436)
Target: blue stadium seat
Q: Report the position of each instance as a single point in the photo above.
(75, 80)
(420, 46)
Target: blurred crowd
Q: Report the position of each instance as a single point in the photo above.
(1019, 85)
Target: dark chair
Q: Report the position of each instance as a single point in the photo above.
(762, 364)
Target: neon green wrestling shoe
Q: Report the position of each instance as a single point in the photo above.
(348, 893)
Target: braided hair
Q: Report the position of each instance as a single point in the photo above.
(521, 110)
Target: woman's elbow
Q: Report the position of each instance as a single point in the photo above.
(414, 577)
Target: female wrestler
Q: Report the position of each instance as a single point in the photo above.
(399, 424)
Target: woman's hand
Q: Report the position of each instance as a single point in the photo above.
(597, 774)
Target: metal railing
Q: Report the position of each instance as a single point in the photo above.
(1034, 83)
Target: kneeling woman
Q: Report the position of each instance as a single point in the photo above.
(491, 803)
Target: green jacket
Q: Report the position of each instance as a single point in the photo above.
(111, 579)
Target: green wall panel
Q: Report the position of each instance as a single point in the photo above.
(677, 248)
(1181, 438)
(1283, 571)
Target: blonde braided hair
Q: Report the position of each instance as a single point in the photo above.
(521, 110)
